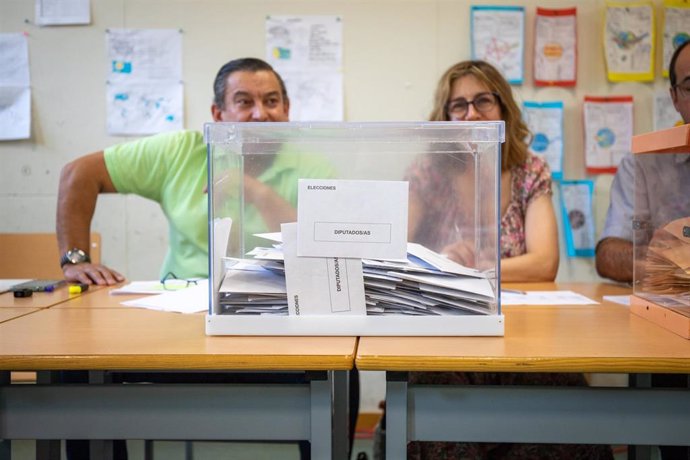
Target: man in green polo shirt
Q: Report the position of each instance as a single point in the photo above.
(171, 169)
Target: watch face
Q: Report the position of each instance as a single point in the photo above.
(75, 256)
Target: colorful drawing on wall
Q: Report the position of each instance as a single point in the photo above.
(144, 108)
(545, 121)
(497, 36)
(15, 87)
(577, 215)
(144, 90)
(665, 114)
(629, 41)
(307, 51)
(608, 132)
(605, 138)
(555, 47)
(676, 29)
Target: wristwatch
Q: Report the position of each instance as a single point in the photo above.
(74, 256)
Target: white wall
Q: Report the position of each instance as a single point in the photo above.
(394, 52)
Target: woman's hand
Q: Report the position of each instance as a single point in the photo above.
(460, 252)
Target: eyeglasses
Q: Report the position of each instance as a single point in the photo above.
(683, 88)
(483, 102)
(171, 282)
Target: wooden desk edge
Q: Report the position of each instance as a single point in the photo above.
(176, 363)
(479, 364)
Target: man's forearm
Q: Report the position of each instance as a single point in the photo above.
(614, 259)
(75, 208)
(80, 183)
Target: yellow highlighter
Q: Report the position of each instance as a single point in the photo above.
(78, 288)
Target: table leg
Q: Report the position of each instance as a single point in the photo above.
(321, 417)
(48, 449)
(5, 444)
(640, 452)
(340, 414)
(396, 414)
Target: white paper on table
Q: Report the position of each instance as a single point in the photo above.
(321, 285)
(14, 55)
(6, 284)
(545, 298)
(61, 12)
(15, 112)
(190, 300)
(619, 299)
(140, 287)
(352, 218)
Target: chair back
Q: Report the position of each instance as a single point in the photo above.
(36, 256)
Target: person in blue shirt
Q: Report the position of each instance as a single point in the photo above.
(614, 252)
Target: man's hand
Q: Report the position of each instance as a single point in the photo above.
(91, 274)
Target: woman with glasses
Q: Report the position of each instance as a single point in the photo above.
(476, 91)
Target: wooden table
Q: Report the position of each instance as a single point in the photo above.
(599, 338)
(102, 335)
(46, 299)
(8, 313)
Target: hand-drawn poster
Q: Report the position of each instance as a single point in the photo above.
(498, 36)
(629, 41)
(307, 51)
(555, 47)
(304, 42)
(665, 114)
(315, 96)
(608, 132)
(144, 88)
(15, 87)
(545, 121)
(62, 12)
(577, 217)
(144, 108)
(676, 28)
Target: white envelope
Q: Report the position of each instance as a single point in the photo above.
(352, 218)
(321, 285)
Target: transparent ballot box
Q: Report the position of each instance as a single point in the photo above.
(354, 228)
(661, 228)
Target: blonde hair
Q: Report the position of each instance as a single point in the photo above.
(514, 151)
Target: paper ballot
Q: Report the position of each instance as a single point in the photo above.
(321, 285)
(352, 218)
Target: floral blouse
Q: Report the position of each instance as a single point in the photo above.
(448, 202)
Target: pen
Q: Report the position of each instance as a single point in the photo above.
(78, 288)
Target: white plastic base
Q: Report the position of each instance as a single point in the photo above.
(491, 325)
